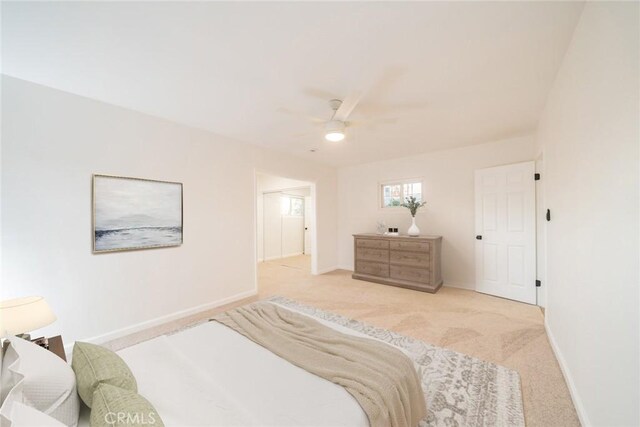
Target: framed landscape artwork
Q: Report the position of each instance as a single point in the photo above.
(135, 213)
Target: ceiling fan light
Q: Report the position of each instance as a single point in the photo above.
(334, 131)
(334, 136)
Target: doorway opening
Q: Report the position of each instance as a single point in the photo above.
(285, 225)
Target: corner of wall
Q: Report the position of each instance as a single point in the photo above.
(325, 270)
(573, 391)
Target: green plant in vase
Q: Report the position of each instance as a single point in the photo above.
(413, 205)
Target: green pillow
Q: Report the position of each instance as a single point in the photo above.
(114, 406)
(95, 365)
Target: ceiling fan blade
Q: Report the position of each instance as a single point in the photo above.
(372, 122)
(378, 109)
(347, 106)
(319, 93)
(380, 92)
(298, 114)
(382, 87)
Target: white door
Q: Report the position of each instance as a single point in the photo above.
(272, 230)
(505, 231)
(292, 225)
(307, 225)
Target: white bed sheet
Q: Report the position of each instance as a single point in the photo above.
(210, 375)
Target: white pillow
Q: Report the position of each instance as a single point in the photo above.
(38, 378)
(6, 380)
(25, 416)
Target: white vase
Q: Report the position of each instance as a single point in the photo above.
(413, 231)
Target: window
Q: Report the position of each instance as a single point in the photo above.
(396, 193)
(292, 206)
(297, 206)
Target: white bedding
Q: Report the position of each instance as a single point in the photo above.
(209, 375)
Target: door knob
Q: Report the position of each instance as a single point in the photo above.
(478, 237)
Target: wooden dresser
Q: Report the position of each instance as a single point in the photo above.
(408, 262)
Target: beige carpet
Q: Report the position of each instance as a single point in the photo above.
(494, 329)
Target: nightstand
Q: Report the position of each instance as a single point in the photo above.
(56, 346)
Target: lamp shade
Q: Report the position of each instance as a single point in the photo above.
(21, 315)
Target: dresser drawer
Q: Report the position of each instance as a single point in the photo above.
(372, 268)
(369, 254)
(411, 274)
(409, 246)
(371, 243)
(416, 259)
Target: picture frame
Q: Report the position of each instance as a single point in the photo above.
(130, 213)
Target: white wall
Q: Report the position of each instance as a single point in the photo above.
(590, 134)
(266, 182)
(270, 223)
(448, 189)
(1, 125)
(52, 142)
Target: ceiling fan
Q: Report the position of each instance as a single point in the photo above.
(335, 127)
(377, 94)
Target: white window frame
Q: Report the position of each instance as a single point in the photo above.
(381, 185)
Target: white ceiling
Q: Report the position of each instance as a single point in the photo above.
(445, 74)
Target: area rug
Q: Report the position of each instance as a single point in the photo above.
(460, 390)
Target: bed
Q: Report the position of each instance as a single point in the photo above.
(212, 375)
(209, 375)
(218, 377)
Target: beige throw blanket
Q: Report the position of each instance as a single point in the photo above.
(381, 378)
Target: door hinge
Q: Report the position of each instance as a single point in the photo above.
(538, 283)
(536, 176)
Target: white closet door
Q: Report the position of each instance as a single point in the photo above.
(505, 232)
(292, 225)
(272, 233)
(292, 235)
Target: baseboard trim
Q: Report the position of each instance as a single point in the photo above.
(577, 402)
(345, 267)
(271, 258)
(292, 254)
(128, 330)
(466, 287)
(325, 270)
